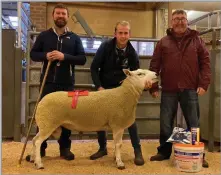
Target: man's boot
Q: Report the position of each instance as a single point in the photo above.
(100, 153)
(138, 160)
(158, 157)
(66, 154)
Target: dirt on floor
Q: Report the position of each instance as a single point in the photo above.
(53, 164)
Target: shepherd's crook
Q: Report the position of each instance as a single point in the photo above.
(33, 116)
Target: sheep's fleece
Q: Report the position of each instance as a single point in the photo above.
(111, 109)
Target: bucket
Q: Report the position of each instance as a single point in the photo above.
(188, 158)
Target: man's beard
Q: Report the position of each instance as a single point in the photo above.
(60, 23)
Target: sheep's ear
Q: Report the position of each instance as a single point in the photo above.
(127, 72)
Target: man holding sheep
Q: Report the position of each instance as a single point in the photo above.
(182, 60)
(65, 50)
(107, 72)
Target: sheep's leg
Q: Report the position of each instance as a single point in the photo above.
(117, 135)
(31, 156)
(40, 137)
(38, 142)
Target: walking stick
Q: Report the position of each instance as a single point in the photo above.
(33, 115)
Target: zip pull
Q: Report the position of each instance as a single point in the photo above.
(61, 45)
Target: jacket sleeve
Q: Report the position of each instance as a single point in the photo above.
(37, 53)
(155, 64)
(204, 65)
(79, 58)
(96, 64)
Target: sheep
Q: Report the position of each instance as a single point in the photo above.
(110, 109)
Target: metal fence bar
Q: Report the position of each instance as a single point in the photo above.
(204, 16)
(210, 30)
(27, 80)
(102, 37)
(212, 95)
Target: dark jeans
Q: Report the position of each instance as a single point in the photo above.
(64, 140)
(169, 102)
(135, 139)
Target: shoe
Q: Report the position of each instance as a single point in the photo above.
(66, 154)
(138, 160)
(100, 153)
(158, 157)
(43, 153)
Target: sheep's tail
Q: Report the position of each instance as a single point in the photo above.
(57, 133)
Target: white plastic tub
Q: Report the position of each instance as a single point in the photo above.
(188, 158)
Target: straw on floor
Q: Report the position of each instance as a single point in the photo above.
(82, 165)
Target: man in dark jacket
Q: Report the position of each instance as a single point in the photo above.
(107, 72)
(65, 50)
(183, 63)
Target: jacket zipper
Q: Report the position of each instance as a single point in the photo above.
(56, 65)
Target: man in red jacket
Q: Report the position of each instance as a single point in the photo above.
(182, 61)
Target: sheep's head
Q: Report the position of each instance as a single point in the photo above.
(143, 76)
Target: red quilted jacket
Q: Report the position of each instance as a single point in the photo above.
(181, 64)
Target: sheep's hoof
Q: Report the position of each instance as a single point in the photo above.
(39, 166)
(121, 167)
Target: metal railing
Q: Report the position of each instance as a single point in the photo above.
(208, 15)
(212, 90)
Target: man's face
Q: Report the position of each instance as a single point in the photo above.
(122, 35)
(60, 17)
(179, 23)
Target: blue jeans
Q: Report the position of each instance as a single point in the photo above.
(168, 108)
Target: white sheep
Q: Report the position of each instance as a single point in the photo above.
(111, 109)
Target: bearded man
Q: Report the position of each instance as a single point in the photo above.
(64, 48)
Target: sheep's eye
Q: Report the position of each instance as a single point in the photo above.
(139, 74)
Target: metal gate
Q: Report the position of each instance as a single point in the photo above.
(11, 86)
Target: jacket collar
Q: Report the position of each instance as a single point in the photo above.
(189, 33)
(66, 32)
(114, 43)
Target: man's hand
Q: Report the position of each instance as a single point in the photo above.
(48, 56)
(200, 91)
(155, 94)
(100, 89)
(55, 55)
(148, 85)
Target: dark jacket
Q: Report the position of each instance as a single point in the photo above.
(181, 65)
(69, 44)
(105, 70)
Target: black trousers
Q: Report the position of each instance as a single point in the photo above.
(134, 136)
(64, 140)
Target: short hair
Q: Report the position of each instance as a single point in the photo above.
(123, 23)
(60, 6)
(180, 11)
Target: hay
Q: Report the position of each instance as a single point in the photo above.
(53, 164)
